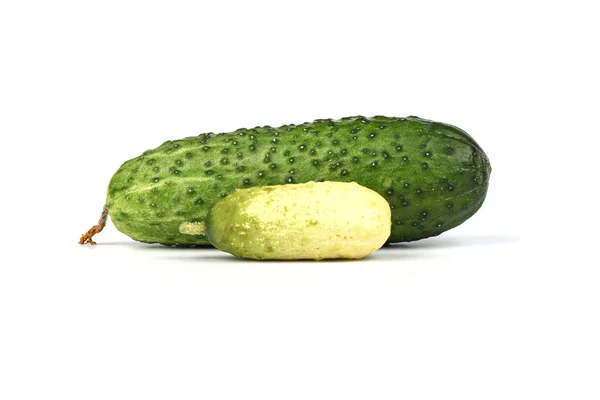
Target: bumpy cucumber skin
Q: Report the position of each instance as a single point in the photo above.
(434, 175)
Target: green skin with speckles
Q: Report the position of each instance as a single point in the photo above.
(434, 175)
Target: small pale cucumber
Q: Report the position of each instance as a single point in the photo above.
(314, 220)
(433, 175)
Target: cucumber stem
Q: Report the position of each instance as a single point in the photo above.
(87, 237)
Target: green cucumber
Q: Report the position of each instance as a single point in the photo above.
(314, 220)
(433, 175)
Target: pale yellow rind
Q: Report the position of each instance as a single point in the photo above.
(315, 220)
(192, 228)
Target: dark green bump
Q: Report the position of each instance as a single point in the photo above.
(208, 163)
(155, 180)
(160, 214)
(406, 185)
(424, 216)
(289, 179)
(191, 190)
(427, 154)
(272, 166)
(260, 174)
(246, 182)
(405, 158)
(344, 172)
(425, 165)
(205, 148)
(302, 147)
(209, 172)
(224, 161)
(355, 159)
(240, 168)
(385, 154)
(286, 153)
(450, 187)
(291, 160)
(374, 163)
(156, 169)
(252, 147)
(240, 155)
(399, 148)
(390, 191)
(372, 135)
(176, 172)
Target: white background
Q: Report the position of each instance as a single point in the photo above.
(505, 306)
